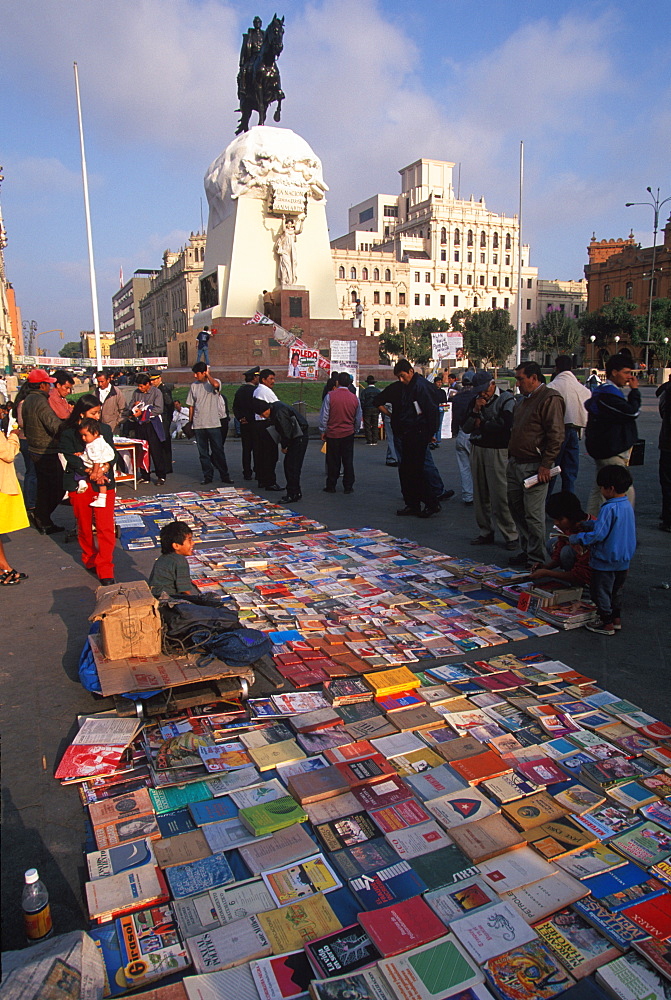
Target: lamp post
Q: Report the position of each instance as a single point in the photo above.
(655, 204)
(592, 341)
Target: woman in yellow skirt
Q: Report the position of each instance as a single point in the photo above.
(13, 515)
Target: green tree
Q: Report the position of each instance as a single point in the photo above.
(556, 333)
(615, 319)
(73, 349)
(488, 335)
(413, 343)
(660, 329)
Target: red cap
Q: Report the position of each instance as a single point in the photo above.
(38, 375)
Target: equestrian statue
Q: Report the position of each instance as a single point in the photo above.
(258, 77)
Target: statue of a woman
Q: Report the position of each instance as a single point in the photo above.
(285, 248)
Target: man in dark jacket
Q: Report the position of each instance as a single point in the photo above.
(417, 421)
(664, 394)
(611, 422)
(243, 411)
(291, 428)
(42, 427)
(371, 414)
(166, 417)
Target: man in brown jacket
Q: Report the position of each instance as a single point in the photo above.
(535, 440)
(114, 408)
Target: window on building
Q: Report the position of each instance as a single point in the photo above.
(495, 241)
(606, 293)
(629, 290)
(352, 273)
(416, 300)
(528, 303)
(427, 300)
(469, 238)
(365, 215)
(475, 302)
(341, 272)
(442, 300)
(506, 303)
(387, 230)
(483, 258)
(427, 277)
(376, 326)
(561, 307)
(376, 274)
(469, 257)
(494, 301)
(417, 276)
(387, 324)
(482, 279)
(469, 279)
(376, 298)
(508, 259)
(387, 275)
(401, 298)
(401, 325)
(355, 296)
(364, 274)
(443, 254)
(528, 329)
(456, 300)
(530, 283)
(495, 258)
(506, 282)
(455, 279)
(483, 239)
(390, 211)
(576, 311)
(443, 235)
(456, 256)
(508, 242)
(495, 280)
(442, 277)
(387, 298)
(457, 238)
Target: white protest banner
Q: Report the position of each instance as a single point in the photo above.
(449, 346)
(344, 351)
(351, 369)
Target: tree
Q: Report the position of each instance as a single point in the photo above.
(413, 343)
(556, 333)
(615, 319)
(660, 330)
(73, 349)
(488, 335)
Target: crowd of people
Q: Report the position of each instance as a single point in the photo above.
(512, 451)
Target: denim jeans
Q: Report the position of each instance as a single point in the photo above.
(391, 455)
(210, 441)
(606, 591)
(569, 461)
(29, 476)
(203, 355)
(463, 450)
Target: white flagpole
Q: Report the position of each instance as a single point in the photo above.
(519, 261)
(87, 212)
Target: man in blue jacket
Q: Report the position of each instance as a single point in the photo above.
(611, 422)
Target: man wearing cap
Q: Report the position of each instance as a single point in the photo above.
(112, 402)
(146, 407)
(208, 413)
(265, 447)
(59, 392)
(243, 411)
(371, 414)
(488, 420)
(166, 418)
(42, 427)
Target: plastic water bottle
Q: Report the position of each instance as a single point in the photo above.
(36, 909)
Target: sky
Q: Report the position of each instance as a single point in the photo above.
(371, 86)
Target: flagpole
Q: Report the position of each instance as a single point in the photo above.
(519, 261)
(89, 238)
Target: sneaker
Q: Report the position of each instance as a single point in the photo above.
(100, 501)
(445, 495)
(82, 486)
(430, 510)
(521, 559)
(601, 627)
(409, 511)
(483, 540)
(617, 624)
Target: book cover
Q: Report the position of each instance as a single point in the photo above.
(281, 848)
(416, 761)
(217, 907)
(543, 771)
(590, 861)
(657, 953)
(122, 831)
(272, 816)
(173, 823)
(454, 901)
(532, 811)
(397, 744)
(384, 682)
(125, 806)
(274, 754)
(367, 984)
(413, 841)
(658, 812)
(127, 891)
(444, 867)
(118, 859)
(486, 838)
(89, 761)
(653, 916)
(314, 786)
(212, 810)
(282, 976)
(620, 887)
(615, 926)
(492, 930)
(350, 751)
(384, 793)
(341, 952)
(438, 781)
(608, 820)
(632, 795)
(370, 729)
(266, 791)
(228, 835)
(415, 718)
(389, 885)
(178, 796)
(181, 849)
(578, 946)
(297, 881)
(401, 926)
(632, 978)
(150, 945)
(648, 844)
(530, 972)
(367, 770)
(225, 947)
(578, 799)
(509, 787)
(362, 859)
(199, 876)
(292, 926)
(538, 900)
(400, 816)
(346, 831)
(431, 971)
(458, 808)
(327, 809)
(558, 838)
(515, 869)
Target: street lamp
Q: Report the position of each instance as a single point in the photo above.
(592, 341)
(655, 204)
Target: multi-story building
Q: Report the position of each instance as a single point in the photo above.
(568, 297)
(126, 314)
(425, 254)
(88, 342)
(11, 333)
(173, 297)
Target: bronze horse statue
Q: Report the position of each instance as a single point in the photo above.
(259, 77)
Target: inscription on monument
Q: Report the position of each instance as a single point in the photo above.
(287, 198)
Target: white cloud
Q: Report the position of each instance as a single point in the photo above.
(35, 175)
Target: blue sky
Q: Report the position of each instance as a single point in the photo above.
(371, 86)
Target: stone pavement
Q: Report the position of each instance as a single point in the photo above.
(43, 626)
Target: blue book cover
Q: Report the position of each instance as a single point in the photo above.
(622, 887)
(213, 810)
(199, 876)
(608, 820)
(107, 942)
(387, 886)
(121, 858)
(619, 930)
(172, 823)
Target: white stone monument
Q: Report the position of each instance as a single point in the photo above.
(267, 227)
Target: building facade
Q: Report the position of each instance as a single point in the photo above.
(173, 297)
(11, 333)
(126, 314)
(88, 342)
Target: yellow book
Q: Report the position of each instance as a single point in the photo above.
(292, 926)
(384, 682)
(275, 754)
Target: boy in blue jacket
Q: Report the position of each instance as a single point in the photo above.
(612, 542)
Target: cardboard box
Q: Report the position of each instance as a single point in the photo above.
(130, 620)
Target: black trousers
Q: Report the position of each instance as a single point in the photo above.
(665, 483)
(414, 485)
(293, 463)
(247, 438)
(340, 451)
(167, 444)
(265, 454)
(49, 475)
(156, 450)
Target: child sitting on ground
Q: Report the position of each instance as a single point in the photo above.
(96, 456)
(568, 563)
(612, 543)
(170, 573)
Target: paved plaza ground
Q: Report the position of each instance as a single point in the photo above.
(44, 623)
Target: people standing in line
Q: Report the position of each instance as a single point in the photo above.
(575, 396)
(243, 411)
(612, 542)
(664, 395)
(371, 414)
(146, 407)
(202, 342)
(460, 403)
(112, 402)
(13, 516)
(292, 430)
(611, 428)
(265, 446)
(166, 417)
(488, 421)
(97, 548)
(42, 427)
(208, 415)
(339, 420)
(535, 440)
(417, 421)
(59, 392)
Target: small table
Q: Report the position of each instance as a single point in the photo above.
(135, 453)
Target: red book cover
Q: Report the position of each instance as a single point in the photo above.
(656, 731)
(401, 926)
(504, 681)
(543, 771)
(653, 916)
(88, 761)
(386, 793)
(484, 765)
(366, 770)
(350, 751)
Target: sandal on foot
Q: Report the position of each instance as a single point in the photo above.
(11, 577)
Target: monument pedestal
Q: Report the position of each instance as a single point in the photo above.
(293, 304)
